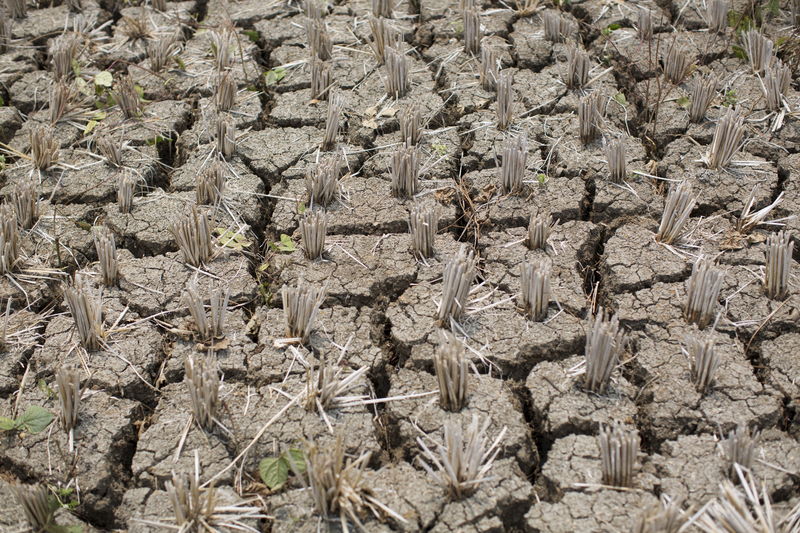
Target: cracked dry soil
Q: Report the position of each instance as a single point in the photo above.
(135, 427)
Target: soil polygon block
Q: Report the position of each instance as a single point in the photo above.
(633, 260)
(661, 304)
(64, 133)
(271, 151)
(127, 47)
(342, 333)
(231, 352)
(692, 467)
(438, 153)
(563, 407)
(151, 511)
(602, 510)
(782, 370)
(528, 45)
(558, 196)
(364, 205)
(139, 278)
(347, 67)
(750, 311)
(61, 236)
(360, 270)
(501, 337)
(570, 249)
(160, 124)
(39, 24)
(10, 121)
(574, 464)
(21, 336)
(734, 397)
(487, 398)
(12, 515)
(243, 193)
(483, 142)
(615, 202)
(296, 109)
(724, 190)
(623, 15)
(789, 170)
(30, 91)
(246, 14)
(125, 367)
(13, 65)
(104, 440)
(245, 114)
(83, 178)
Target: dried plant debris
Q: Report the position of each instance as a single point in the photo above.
(135, 28)
(534, 295)
(704, 359)
(300, 307)
(577, 68)
(619, 448)
(505, 100)
(539, 229)
(396, 73)
(463, 461)
(159, 5)
(405, 171)
(776, 83)
(315, 9)
(86, 309)
(5, 34)
(226, 136)
(615, 155)
(127, 97)
(209, 326)
(739, 450)
(717, 15)
(382, 8)
(383, 36)
(746, 509)
(61, 96)
(9, 240)
(703, 92)
(319, 42)
(17, 9)
(452, 372)
(644, 25)
(605, 342)
(126, 187)
(313, 228)
(663, 517)
(557, 28)
(106, 250)
(322, 182)
(472, 31)
(410, 119)
(193, 234)
(758, 49)
(514, 162)
(677, 209)
(727, 140)
(44, 148)
(677, 65)
(702, 293)
(326, 389)
(202, 382)
(62, 55)
(210, 184)
(590, 116)
(489, 70)
(222, 47)
(111, 149)
(160, 51)
(25, 198)
(39, 506)
(339, 485)
(197, 508)
(335, 108)
(457, 278)
(423, 224)
(225, 95)
(320, 79)
(68, 379)
(779, 265)
(748, 219)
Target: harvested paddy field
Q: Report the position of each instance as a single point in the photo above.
(410, 265)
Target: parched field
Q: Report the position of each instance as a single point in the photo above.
(422, 265)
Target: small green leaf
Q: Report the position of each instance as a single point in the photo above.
(76, 68)
(683, 101)
(297, 460)
(253, 35)
(104, 79)
(45, 388)
(181, 64)
(301, 208)
(620, 99)
(7, 424)
(286, 244)
(271, 77)
(739, 52)
(274, 472)
(542, 178)
(440, 149)
(35, 419)
(231, 239)
(89, 127)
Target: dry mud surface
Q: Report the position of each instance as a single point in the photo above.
(135, 426)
